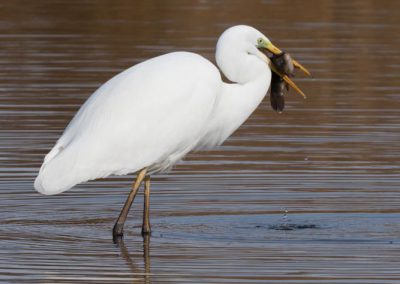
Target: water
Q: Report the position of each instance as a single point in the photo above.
(331, 161)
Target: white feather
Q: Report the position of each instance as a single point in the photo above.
(155, 112)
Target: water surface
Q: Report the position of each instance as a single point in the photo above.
(328, 167)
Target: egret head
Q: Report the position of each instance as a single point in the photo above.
(237, 54)
(265, 45)
(241, 55)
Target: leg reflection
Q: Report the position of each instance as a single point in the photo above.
(134, 267)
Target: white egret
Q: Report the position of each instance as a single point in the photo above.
(151, 115)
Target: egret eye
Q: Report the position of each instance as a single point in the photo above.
(260, 41)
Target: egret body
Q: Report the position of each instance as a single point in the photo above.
(151, 115)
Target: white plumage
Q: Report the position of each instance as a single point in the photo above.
(154, 113)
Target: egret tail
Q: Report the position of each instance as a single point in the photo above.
(61, 170)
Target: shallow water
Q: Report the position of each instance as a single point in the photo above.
(328, 167)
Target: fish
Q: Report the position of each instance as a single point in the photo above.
(276, 96)
(283, 63)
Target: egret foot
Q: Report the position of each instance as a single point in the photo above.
(146, 229)
(118, 229)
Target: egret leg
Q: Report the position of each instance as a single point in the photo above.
(146, 230)
(118, 229)
(146, 258)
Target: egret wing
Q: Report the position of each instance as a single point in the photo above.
(147, 116)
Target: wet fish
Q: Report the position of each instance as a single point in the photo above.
(277, 98)
(283, 66)
(283, 63)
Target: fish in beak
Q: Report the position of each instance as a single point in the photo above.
(282, 65)
(276, 97)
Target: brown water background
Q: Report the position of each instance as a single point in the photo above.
(330, 163)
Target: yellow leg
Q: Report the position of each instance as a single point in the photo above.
(118, 229)
(146, 230)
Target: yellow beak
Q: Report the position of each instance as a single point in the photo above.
(287, 80)
(274, 50)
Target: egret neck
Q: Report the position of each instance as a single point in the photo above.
(238, 101)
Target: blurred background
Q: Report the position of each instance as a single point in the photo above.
(308, 196)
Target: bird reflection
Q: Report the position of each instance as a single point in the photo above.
(134, 267)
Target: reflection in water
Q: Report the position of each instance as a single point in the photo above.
(134, 267)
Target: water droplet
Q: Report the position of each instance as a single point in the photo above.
(285, 215)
